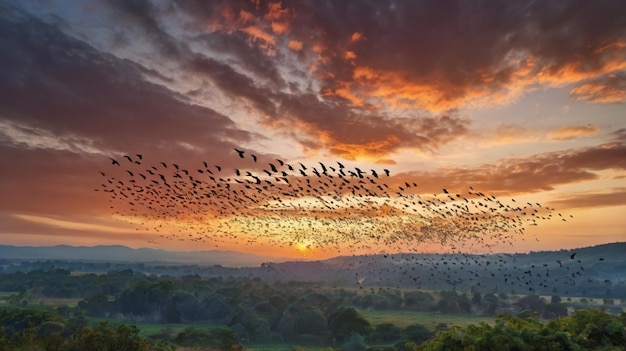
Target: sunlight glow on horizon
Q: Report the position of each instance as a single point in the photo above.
(135, 144)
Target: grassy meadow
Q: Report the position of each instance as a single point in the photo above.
(430, 320)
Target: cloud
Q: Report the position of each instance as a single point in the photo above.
(569, 132)
(360, 134)
(535, 173)
(385, 60)
(412, 49)
(70, 225)
(604, 90)
(146, 14)
(509, 133)
(60, 88)
(295, 45)
(505, 134)
(616, 197)
(23, 135)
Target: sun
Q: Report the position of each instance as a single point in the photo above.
(304, 247)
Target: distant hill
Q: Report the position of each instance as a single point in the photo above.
(590, 271)
(119, 253)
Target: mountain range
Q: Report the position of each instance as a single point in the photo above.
(589, 271)
(120, 253)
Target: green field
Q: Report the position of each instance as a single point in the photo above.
(428, 319)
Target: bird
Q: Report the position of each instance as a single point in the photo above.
(331, 207)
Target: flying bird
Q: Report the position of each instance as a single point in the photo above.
(331, 209)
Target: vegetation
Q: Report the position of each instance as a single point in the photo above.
(126, 310)
(584, 330)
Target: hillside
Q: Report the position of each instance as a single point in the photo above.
(119, 253)
(591, 271)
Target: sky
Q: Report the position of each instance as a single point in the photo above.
(521, 101)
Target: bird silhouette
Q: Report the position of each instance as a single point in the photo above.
(331, 209)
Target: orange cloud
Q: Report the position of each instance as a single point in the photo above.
(365, 151)
(530, 174)
(349, 55)
(278, 18)
(346, 93)
(616, 197)
(276, 12)
(295, 45)
(505, 134)
(245, 17)
(398, 90)
(569, 133)
(356, 36)
(611, 89)
(280, 27)
(259, 34)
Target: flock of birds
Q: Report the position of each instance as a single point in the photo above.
(322, 206)
(481, 272)
(328, 206)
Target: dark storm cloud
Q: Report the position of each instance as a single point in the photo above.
(251, 58)
(371, 58)
(57, 83)
(343, 129)
(435, 55)
(232, 83)
(466, 49)
(150, 18)
(146, 15)
(64, 105)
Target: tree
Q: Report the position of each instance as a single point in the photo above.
(532, 302)
(356, 342)
(452, 302)
(418, 301)
(255, 328)
(311, 321)
(593, 330)
(222, 338)
(477, 298)
(385, 333)
(103, 337)
(215, 308)
(415, 333)
(491, 304)
(97, 305)
(345, 321)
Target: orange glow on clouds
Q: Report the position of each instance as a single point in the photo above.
(569, 133)
(295, 45)
(492, 97)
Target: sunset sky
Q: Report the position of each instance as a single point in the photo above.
(519, 99)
